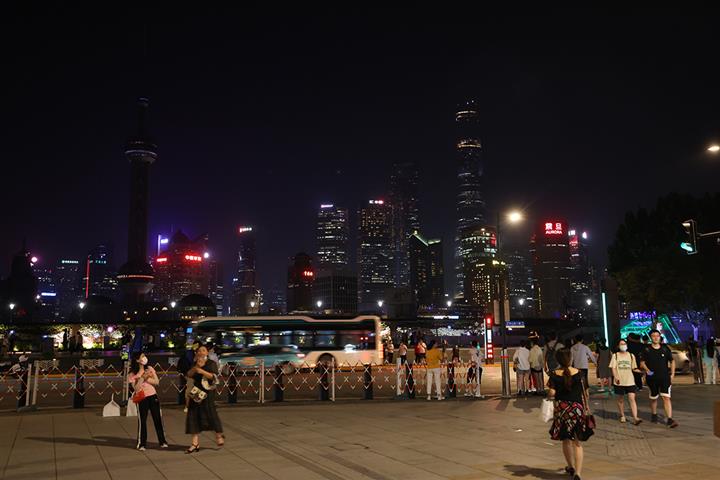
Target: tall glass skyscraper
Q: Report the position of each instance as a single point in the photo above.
(470, 205)
(375, 253)
(332, 236)
(406, 218)
(246, 296)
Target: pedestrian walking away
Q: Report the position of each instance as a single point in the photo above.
(202, 413)
(521, 365)
(623, 364)
(636, 348)
(695, 356)
(434, 370)
(658, 363)
(709, 360)
(144, 379)
(567, 389)
(550, 349)
(537, 365)
(581, 356)
(602, 364)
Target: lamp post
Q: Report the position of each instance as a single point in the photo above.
(513, 217)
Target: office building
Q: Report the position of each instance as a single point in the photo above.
(376, 266)
(551, 268)
(584, 300)
(406, 218)
(245, 292)
(180, 270)
(332, 237)
(520, 284)
(337, 291)
(301, 275)
(68, 286)
(99, 276)
(427, 277)
(478, 249)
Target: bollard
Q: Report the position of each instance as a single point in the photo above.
(410, 382)
(278, 393)
(451, 388)
(232, 384)
(368, 382)
(324, 385)
(79, 391)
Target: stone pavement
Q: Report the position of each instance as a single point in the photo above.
(379, 440)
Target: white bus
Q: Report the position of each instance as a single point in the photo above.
(347, 341)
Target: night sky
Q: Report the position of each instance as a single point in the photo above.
(261, 117)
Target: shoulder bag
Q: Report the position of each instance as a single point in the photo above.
(587, 427)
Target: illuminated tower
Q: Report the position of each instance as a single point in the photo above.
(136, 276)
(470, 205)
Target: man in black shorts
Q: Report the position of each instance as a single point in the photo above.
(657, 361)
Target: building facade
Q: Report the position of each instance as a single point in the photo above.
(333, 235)
(427, 275)
(520, 284)
(301, 275)
(337, 291)
(180, 270)
(376, 265)
(99, 276)
(584, 301)
(478, 249)
(68, 289)
(245, 292)
(551, 268)
(406, 217)
(470, 203)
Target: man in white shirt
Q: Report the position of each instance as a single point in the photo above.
(537, 364)
(521, 361)
(581, 355)
(474, 374)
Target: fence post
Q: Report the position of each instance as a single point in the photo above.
(451, 388)
(24, 393)
(36, 383)
(409, 380)
(261, 398)
(324, 384)
(79, 390)
(278, 392)
(126, 385)
(232, 383)
(368, 382)
(332, 381)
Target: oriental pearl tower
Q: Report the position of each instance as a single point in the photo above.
(136, 276)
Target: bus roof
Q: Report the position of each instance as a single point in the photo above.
(281, 319)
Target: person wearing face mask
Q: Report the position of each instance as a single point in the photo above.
(144, 379)
(623, 364)
(202, 413)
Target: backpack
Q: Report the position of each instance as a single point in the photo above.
(550, 357)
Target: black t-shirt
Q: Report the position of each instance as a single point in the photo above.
(572, 394)
(657, 360)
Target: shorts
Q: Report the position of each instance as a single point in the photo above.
(584, 372)
(471, 374)
(624, 389)
(659, 386)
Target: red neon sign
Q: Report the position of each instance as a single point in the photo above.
(308, 273)
(161, 259)
(553, 228)
(489, 321)
(193, 258)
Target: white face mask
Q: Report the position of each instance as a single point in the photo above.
(143, 361)
(623, 348)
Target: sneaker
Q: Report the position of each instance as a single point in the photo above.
(637, 421)
(654, 418)
(441, 398)
(671, 423)
(429, 397)
(185, 410)
(623, 420)
(468, 394)
(164, 445)
(142, 449)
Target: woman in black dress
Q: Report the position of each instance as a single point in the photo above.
(566, 388)
(202, 415)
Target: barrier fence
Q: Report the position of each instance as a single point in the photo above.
(93, 382)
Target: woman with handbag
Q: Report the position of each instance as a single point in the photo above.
(144, 379)
(572, 422)
(202, 414)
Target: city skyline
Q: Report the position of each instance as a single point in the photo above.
(533, 144)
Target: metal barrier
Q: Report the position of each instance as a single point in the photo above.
(45, 383)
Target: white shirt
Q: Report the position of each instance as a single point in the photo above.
(580, 356)
(522, 358)
(476, 357)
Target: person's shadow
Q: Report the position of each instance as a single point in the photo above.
(121, 442)
(524, 471)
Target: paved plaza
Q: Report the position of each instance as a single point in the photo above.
(456, 439)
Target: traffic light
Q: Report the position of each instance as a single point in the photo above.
(690, 244)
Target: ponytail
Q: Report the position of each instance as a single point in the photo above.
(564, 358)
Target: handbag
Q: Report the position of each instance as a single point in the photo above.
(547, 410)
(197, 395)
(139, 395)
(587, 427)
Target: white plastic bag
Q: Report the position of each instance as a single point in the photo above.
(111, 409)
(131, 410)
(546, 410)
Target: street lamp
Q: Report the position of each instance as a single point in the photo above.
(521, 302)
(449, 303)
(714, 148)
(588, 301)
(513, 217)
(380, 303)
(173, 304)
(252, 304)
(319, 304)
(81, 305)
(12, 306)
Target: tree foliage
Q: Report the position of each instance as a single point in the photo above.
(652, 271)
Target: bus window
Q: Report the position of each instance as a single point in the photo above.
(325, 339)
(259, 338)
(281, 338)
(303, 338)
(359, 340)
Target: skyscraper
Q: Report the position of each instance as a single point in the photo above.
(583, 297)
(376, 270)
(551, 268)
(406, 218)
(470, 205)
(46, 292)
(216, 287)
(99, 273)
(520, 284)
(68, 280)
(427, 278)
(180, 270)
(332, 236)
(245, 293)
(337, 291)
(136, 276)
(478, 249)
(301, 275)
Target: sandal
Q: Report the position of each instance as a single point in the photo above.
(220, 439)
(193, 449)
(570, 470)
(637, 421)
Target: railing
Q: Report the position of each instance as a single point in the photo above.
(93, 382)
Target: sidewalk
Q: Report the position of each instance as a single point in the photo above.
(380, 440)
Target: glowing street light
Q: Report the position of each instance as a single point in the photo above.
(81, 305)
(319, 304)
(449, 303)
(33, 260)
(172, 304)
(252, 304)
(515, 216)
(713, 148)
(12, 306)
(380, 303)
(521, 302)
(589, 301)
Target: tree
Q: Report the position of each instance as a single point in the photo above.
(652, 271)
